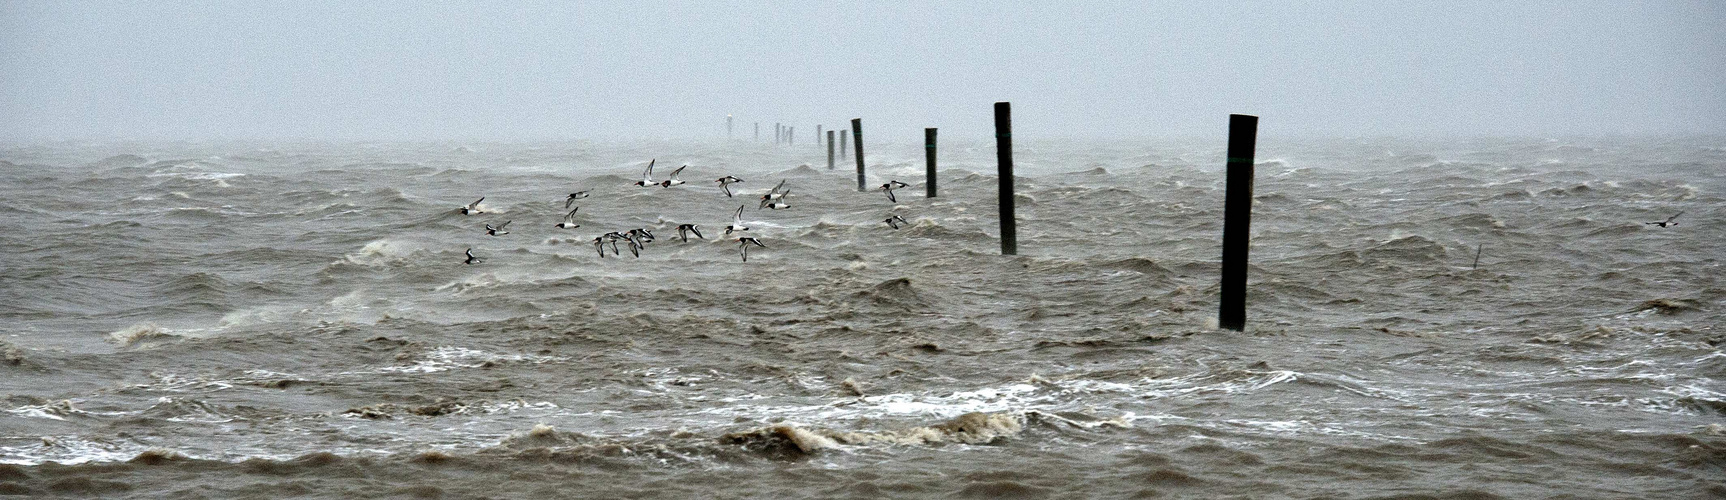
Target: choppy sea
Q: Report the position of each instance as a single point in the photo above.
(243, 320)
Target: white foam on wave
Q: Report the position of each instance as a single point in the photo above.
(69, 450)
(386, 252)
(446, 358)
(139, 332)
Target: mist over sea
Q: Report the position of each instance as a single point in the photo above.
(269, 320)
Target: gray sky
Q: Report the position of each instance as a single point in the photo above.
(627, 69)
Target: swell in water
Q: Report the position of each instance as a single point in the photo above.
(277, 320)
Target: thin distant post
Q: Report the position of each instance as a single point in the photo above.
(778, 133)
(857, 136)
(1237, 220)
(830, 150)
(844, 135)
(790, 135)
(929, 154)
(727, 127)
(757, 131)
(1004, 157)
(817, 136)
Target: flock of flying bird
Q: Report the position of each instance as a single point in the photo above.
(637, 239)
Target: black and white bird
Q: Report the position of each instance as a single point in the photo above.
(470, 258)
(472, 208)
(773, 195)
(612, 238)
(647, 175)
(743, 246)
(736, 222)
(889, 187)
(725, 184)
(896, 221)
(1670, 221)
(497, 231)
(683, 231)
(572, 197)
(642, 235)
(569, 220)
(634, 246)
(673, 180)
(780, 204)
(599, 244)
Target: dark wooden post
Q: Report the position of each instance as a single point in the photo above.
(1237, 221)
(857, 137)
(830, 150)
(1004, 158)
(929, 154)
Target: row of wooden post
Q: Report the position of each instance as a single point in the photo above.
(1237, 202)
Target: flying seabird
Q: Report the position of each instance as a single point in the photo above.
(642, 235)
(612, 238)
(683, 231)
(572, 197)
(1667, 222)
(569, 220)
(673, 180)
(634, 246)
(889, 187)
(647, 175)
(773, 195)
(497, 231)
(599, 244)
(780, 204)
(472, 208)
(736, 222)
(470, 258)
(743, 246)
(725, 184)
(895, 221)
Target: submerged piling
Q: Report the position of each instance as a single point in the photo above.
(929, 155)
(1004, 158)
(830, 150)
(1237, 219)
(857, 137)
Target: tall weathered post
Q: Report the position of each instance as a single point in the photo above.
(1237, 221)
(830, 150)
(929, 154)
(857, 137)
(1004, 157)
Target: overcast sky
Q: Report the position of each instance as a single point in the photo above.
(629, 69)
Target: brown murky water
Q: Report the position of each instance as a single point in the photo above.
(266, 321)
